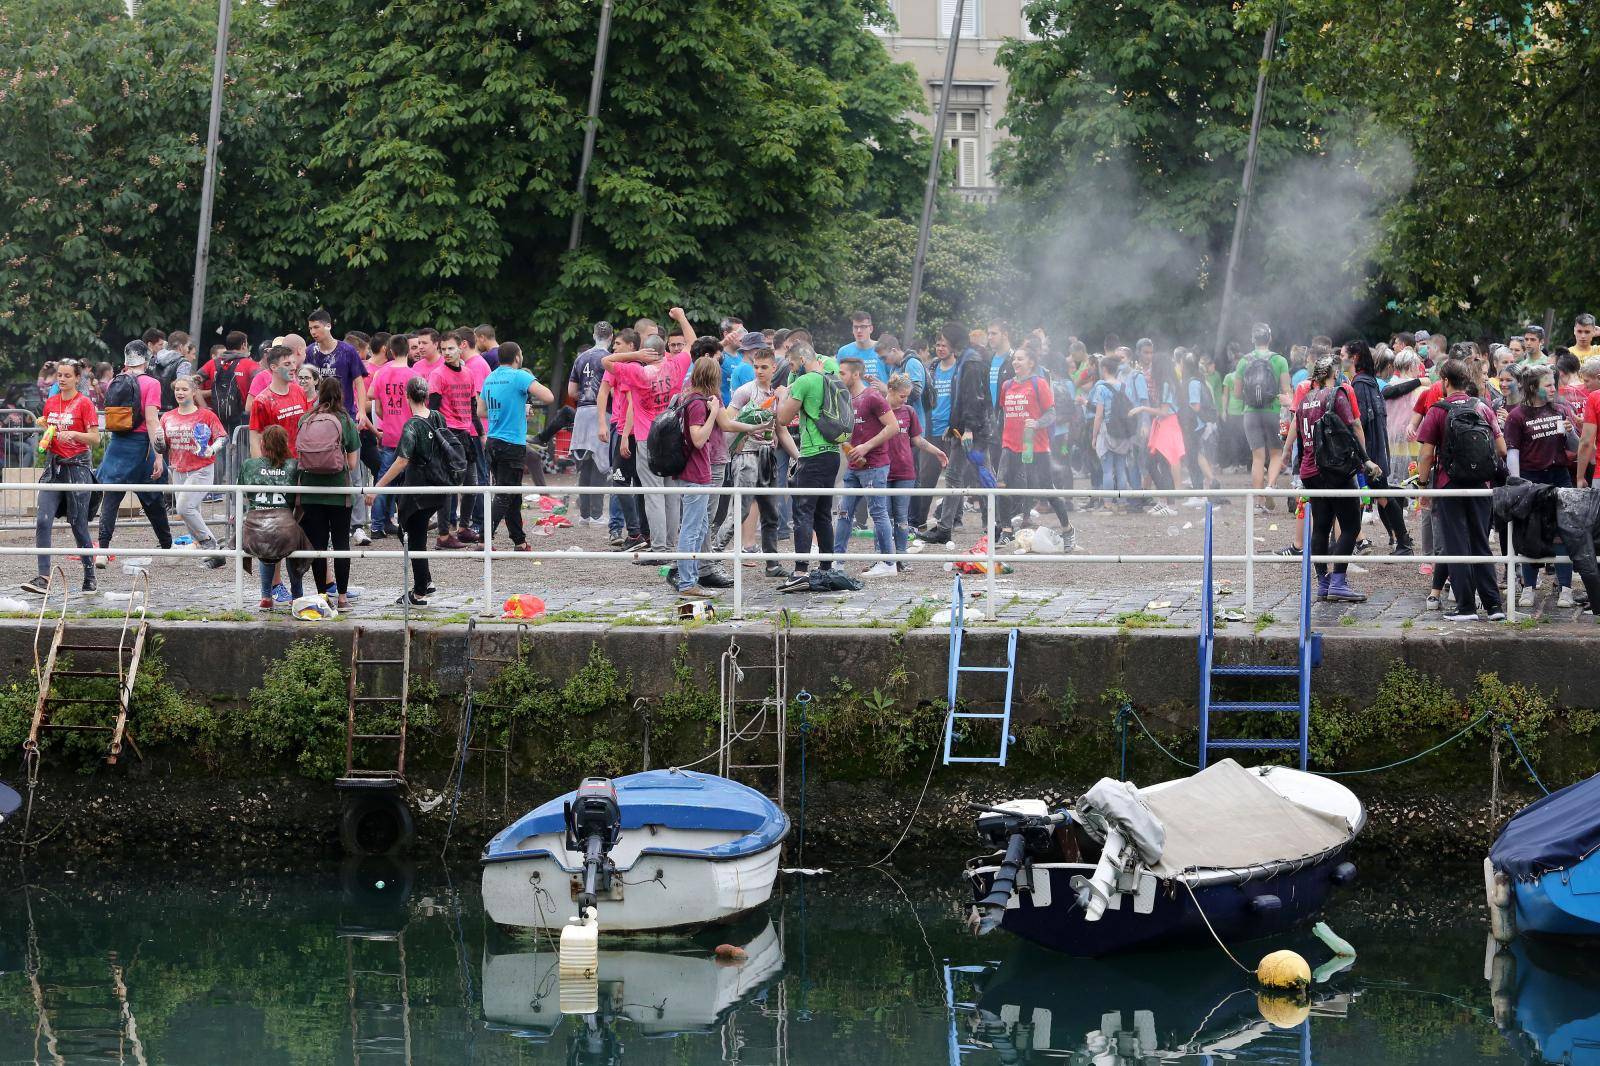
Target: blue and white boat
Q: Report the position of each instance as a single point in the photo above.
(663, 849)
(1543, 873)
(1255, 851)
(1546, 997)
(10, 802)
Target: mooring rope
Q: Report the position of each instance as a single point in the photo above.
(1202, 912)
(926, 781)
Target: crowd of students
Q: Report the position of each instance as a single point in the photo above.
(651, 408)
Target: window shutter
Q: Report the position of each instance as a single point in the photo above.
(969, 18)
(968, 176)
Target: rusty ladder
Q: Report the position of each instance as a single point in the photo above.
(128, 651)
(755, 729)
(368, 776)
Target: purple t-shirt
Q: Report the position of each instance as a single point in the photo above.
(870, 408)
(345, 364)
(696, 409)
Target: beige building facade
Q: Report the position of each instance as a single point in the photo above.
(978, 95)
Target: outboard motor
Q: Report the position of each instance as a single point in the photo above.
(594, 825)
(1022, 835)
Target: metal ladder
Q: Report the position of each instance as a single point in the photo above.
(753, 742)
(127, 652)
(376, 777)
(380, 1027)
(70, 1014)
(1308, 657)
(958, 614)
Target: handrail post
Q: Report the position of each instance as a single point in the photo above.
(238, 547)
(488, 549)
(1249, 552)
(994, 611)
(1511, 572)
(736, 518)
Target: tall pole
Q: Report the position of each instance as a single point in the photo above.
(591, 124)
(932, 188)
(208, 185)
(1246, 189)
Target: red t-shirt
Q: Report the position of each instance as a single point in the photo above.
(244, 371)
(188, 437)
(1304, 387)
(76, 416)
(270, 409)
(1428, 397)
(1308, 412)
(870, 408)
(1540, 435)
(1591, 409)
(902, 463)
(1020, 401)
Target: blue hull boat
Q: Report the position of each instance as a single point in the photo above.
(10, 802)
(1257, 852)
(1545, 867)
(1547, 1001)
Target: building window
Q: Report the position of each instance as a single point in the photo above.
(893, 8)
(970, 21)
(961, 136)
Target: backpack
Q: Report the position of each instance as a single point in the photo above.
(166, 373)
(1258, 382)
(320, 444)
(1120, 421)
(124, 409)
(1333, 442)
(446, 460)
(836, 415)
(668, 440)
(226, 400)
(1466, 448)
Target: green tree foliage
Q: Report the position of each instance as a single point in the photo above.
(102, 143)
(1130, 126)
(1496, 101)
(970, 275)
(879, 96)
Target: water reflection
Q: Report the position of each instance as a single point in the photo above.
(1546, 999)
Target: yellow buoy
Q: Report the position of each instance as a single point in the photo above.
(1284, 1012)
(1284, 971)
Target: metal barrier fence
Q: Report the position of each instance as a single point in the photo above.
(991, 558)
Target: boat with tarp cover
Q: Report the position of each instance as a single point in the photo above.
(1257, 850)
(1544, 870)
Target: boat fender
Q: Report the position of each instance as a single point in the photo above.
(1263, 904)
(1284, 971)
(1344, 873)
(1501, 899)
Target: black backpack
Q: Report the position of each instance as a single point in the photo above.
(1333, 443)
(1120, 421)
(1258, 382)
(226, 400)
(1466, 448)
(166, 373)
(669, 440)
(124, 405)
(446, 460)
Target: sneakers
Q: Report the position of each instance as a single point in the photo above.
(378, 533)
(1363, 546)
(1497, 615)
(1564, 598)
(636, 543)
(1458, 616)
(1525, 598)
(414, 599)
(776, 569)
(618, 539)
(360, 536)
(39, 586)
(1339, 591)
(799, 581)
(1322, 588)
(468, 535)
(936, 534)
(280, 594)
(697, 592)
(265, 604)
(213, 562)
(713, 578)
(1403, 549)
(447, 542)
(904, 568)
(1287, 551)
(1162, 510)
(89, 583)
(880, 569)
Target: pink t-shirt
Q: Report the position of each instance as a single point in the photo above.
(262, 379)
(457, 389)
(389, 391)
(651, 387)
(149, 396)
(618, 402)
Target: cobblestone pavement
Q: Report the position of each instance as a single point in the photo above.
(1057, 592)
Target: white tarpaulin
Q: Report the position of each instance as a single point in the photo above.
(1226, 817)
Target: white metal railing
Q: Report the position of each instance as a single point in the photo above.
(991, 558)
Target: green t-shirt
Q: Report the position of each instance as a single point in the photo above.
(280, 482)
(1235, 404)
(1280, 367)
(807, 389)
(350, 441)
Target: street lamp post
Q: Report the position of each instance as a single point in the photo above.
(932, 188)
(208, 185)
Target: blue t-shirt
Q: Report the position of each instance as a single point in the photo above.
(1066, 396)
(913, 369)
(1197, 396)
(997, 363)
(586, 374)
(939, 411)
(505, 394)
(872, 362)
(1297, 377)
(735, 372)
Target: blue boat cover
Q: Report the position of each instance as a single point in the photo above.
(677, 799)
(1552, 834)
(9, 801)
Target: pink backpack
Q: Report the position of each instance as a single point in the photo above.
(320, 444)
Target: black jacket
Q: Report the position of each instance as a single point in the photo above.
(1374, 419)
(969, 401)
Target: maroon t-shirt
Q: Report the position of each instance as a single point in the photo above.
(1312, 407)
(870, 408)
(902, 463)
(1540, 434)
(697, 471)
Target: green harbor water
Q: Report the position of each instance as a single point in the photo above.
(328, 967)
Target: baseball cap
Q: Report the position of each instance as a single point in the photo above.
(135, 353)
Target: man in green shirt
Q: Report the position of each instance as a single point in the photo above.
(1253, 381)
(818, 466)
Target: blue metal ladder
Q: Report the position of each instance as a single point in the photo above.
(957, 668)
(1310, 655)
